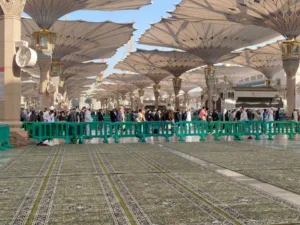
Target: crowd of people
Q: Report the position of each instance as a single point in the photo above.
(121, 115)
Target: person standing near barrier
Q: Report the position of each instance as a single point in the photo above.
(232, 115)
(113, 115)
(277, 115)
(88, 119)
(141, 116)
(244, 117)
(189, 115)
(215, 115)
(238, 114)
(82, 115)
(100, 116)
(33, 117)
(256, 116)
(203, 114)
(271, 115)
(225, 115)
(157, 116)
(295, 115)
(177, 116)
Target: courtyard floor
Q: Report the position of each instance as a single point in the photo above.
(205, 183)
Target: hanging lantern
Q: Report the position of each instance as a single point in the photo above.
(44, 40)
(56, 68)
(290, 49)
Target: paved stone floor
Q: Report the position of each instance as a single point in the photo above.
(209, 183)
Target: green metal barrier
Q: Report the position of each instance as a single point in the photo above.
(126, 130)
(143, 130)
(194, 128)
(158, 129)
(48, 131)
(235, 129)
(28, 126)
(195, 118)
(255, 128)
(5, 137)
(274, 128)
(95, 118)
(93, 130)
(106, 118)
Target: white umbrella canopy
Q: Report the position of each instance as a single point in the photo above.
(80, 41)
(173, 62)
(212, 42)
(282, 16)
(153, 73)
(46, 12)
(138, 80)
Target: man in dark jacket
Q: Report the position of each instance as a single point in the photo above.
(215, 115)
(72, 116)
(277, 115)
(238, 115)
(113, 116)
(33, 117)
(100, 116)
(177, 116)
(184, 116)
(157, 116)
(82, 115)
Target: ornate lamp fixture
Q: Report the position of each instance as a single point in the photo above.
(56, 68)
(290, 49)
(210, 71)
(44, 40)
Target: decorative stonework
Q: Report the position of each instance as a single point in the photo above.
(12, 8)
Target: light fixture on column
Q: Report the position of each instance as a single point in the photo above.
(210, 71)
(56, 68)
(290, 49)
(44, 40)
(61, 82)
(268, 82)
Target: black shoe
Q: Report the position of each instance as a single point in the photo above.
(250, 138)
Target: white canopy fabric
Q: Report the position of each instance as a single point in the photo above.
(173, 62)
(212, 42)
(282, 16)
(46, 12)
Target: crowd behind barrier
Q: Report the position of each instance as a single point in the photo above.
(78, 132)
(79, 125)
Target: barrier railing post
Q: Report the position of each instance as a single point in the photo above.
(192, 128)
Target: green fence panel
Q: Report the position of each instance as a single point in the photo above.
(235, 129)
(255, 128)
(48, 131)
(158, 129)
(298, 128)
(95, 118)
(93, 130)
(106, 118)
(5, 137)
(195, 118)
(126, 130)
(28, 126)
(193, 128)
(273, 128)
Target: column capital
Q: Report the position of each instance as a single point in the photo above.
(11, 8)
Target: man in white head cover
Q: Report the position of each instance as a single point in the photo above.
(271, 114)
(88, 119)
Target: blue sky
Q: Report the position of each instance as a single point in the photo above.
(142, 18)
